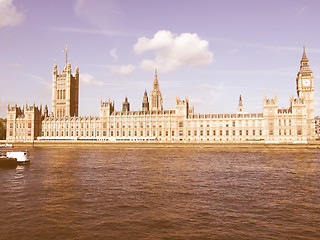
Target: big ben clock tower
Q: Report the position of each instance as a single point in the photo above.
(305, 90)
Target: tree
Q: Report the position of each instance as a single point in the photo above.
(3, 123)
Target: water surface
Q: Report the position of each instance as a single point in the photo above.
(164, 193)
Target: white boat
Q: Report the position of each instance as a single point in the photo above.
(21, 156)
(13, 158)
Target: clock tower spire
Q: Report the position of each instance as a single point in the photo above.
(305, 90)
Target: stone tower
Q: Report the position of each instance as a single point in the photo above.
(65, 91)
(155, 102)
(145, 102)
(305, 91)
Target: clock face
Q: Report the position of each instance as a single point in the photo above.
(306, 82)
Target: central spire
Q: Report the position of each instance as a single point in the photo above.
(155, 82)
(155, 96)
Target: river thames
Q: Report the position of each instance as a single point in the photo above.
(162, 193)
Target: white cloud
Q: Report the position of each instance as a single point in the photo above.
(123, 70)
(114, 54)
(87, 79)
(173, 52)
(9, 16)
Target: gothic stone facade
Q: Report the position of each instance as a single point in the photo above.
(153, 123)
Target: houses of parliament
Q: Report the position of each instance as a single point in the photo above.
(295, 124)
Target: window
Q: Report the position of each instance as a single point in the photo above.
(172, 133)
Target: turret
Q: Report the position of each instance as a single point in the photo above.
(126, 105)
(240, 106)
(106, 108)
(270, 106)
(182, 107)
(145, 102)
(46, 112)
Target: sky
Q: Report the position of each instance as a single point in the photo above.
(210, 51)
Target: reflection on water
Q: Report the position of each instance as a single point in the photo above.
(92, 193)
